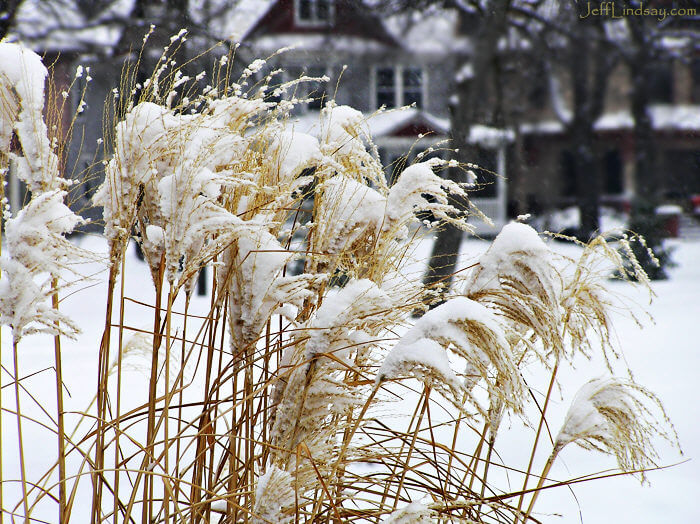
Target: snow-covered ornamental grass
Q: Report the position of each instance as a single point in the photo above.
(271, 405)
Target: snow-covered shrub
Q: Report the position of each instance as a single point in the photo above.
(277, 405)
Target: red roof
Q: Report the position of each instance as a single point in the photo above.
(348, 20)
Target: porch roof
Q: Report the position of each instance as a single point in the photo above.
(665, 118)
(412, 123)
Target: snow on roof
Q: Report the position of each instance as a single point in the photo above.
(382, 124)
(269, 44)
(546, 127)
(676, 42)
(432, 31)
(55, 25)
(243, 17)
(663, 118)
(386, 123)
(490, 137)
(680, 117)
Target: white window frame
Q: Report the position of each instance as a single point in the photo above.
(398, 84)
(314, 21)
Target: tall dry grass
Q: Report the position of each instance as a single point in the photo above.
(271, 406)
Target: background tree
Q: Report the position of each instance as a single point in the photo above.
(8, 13)
(549, 39)
(468, 109)
(645, 47)
(587, 57)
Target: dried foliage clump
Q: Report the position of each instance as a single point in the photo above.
(272, 405)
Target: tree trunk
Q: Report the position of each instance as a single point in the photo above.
(589, 65)
(587, 179)
(643, 219)
(644, 151)
(581, 136)
(472, 102)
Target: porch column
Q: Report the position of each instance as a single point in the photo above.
(501, 184)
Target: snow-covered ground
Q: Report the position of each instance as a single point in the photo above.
(664, 356)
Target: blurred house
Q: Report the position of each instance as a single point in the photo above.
(418, 60)
(675, 117)
(374, 62)
(391, 61)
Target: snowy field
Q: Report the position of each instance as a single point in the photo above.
(664, 356)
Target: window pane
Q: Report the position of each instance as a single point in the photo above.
(695, 81)
(385, 77)
(316, 71)
(485, 179)
(304, 9)
(413, 97)
(613, 173)
(323, 12)
(292, 72)
(386, 98)
(385, 87)
(412, 77)
(660, 84)
(567, 168)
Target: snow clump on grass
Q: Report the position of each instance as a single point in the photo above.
(22, 79)
(36, 244)
(472, 332)
(24, 304)
(413, 513)
(274, 497)
(611, 415)
(36, 235)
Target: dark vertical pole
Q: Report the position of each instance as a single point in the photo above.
(202, 282)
